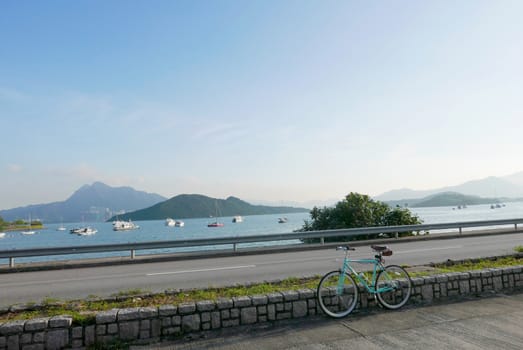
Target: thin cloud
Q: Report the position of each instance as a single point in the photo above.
(14, 168)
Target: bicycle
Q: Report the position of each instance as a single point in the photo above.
(338, 291)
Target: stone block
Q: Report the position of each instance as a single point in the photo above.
(248, 315)
(25, 338)
(427, 292)
(259, 300)
(37, 324)
(57, 339)
(215, 320)
(224, 303)
(148, 312)
(112, 328)
(108, 316)
(38, 337)
(306, 293)
(206, 316)
(290, 295)
(13, 342)
(464, 287)
(191, 323)
(33, 347)
(90, 337)
(167, 310)
(145, 325)
(12, 327)
(242, 301)
(205, 305)
(77, 332)
(299, 308)
(129, 314)
(186, 308)
(129, 330)
(60, 322)
(275, 298)
(235, 313)
(156, 328)
(101, 329)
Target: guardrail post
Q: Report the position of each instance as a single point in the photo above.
(460, 230)
(133, 253)
(11, 262)
(516, 227)
(396, 234)
(322, 241)
(234, 247)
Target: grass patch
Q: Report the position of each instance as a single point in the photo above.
(518, 248)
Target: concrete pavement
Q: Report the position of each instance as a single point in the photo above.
(493, 322)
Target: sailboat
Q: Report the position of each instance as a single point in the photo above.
(215, 223)
(61, 227)
(29, 231)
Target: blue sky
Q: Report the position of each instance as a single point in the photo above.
(263, 100)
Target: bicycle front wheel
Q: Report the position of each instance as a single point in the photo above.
(337, 294)
(393, 287)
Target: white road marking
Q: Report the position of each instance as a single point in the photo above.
(427, 249)
(202, 270)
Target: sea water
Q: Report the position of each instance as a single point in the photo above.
(155, 230)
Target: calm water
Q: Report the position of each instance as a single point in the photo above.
(197, 228)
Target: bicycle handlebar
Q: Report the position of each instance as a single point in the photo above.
(345, 248)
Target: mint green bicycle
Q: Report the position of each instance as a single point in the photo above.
(338, 291)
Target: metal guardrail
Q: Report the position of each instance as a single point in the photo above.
(234, 241)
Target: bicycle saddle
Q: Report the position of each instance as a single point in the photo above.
(382, 249)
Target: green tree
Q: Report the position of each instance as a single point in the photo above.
(358, 210)
(3, 224)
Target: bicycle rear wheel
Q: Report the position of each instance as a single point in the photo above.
(337, 294)
(393, 286)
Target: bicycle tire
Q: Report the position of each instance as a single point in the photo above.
(335, 300)
(397, 278)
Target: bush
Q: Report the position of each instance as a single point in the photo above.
(357, 210)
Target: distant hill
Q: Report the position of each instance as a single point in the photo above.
(448, 199)
(186, 206)
(510, 186)
(94, 202)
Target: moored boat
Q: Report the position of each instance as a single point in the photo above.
(83, 231)
(120, 225)
(237, 219)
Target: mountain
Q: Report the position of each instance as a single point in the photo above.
(94, 202)
(452, 199)
(508, 186)
(198, 206)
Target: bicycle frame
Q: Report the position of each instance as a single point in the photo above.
(377, 267)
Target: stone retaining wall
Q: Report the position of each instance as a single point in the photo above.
(152, 324)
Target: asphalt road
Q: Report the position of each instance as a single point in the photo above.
(160, 276)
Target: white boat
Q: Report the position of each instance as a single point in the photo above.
(282, 220)
(29, 232)
(83, 231)
(172, 223)
(61, 228)
(2, 234)
(120, 225)
(216, 223)
(237, 219)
